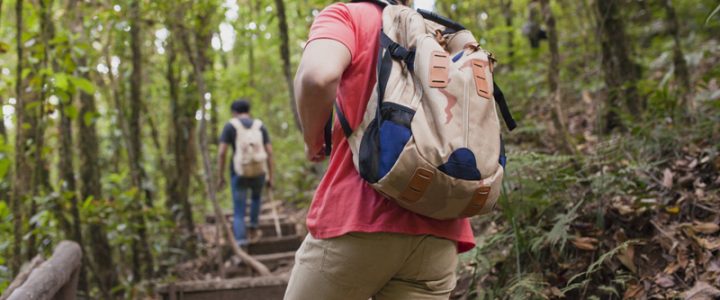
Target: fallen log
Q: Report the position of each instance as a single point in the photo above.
(22, 276)
(56, 278)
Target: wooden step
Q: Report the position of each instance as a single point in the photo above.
(268, 229)
(263, 219)
(269, 245)
(276, 262)
(270, 287)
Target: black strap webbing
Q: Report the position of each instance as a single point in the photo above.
(328, 136)
(504, 109)
(380, 3)
(384, 67)
(396, 51)
(347, 130)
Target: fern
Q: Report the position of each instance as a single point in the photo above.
(712, 14)
(595, 265)
(529, 286)
(559, 233)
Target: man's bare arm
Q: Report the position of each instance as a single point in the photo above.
(322, 65)
(270, 165)
(222, 151)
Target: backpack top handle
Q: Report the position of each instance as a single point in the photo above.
(444, 21)
(451, 25)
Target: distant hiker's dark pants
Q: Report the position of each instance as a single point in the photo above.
(240, 187)
(384, 266)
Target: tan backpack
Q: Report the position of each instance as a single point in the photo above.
(250, 158)
(430, 138)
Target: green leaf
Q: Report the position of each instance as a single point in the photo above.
(71, 112)
(88, 118)
(61, 81)
(4, 47)
(4, 167)
(88, 202)
(83, 84)
(712, 14)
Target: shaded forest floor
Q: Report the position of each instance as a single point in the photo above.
(634, 216)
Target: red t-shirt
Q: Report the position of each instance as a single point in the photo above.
(343, 201)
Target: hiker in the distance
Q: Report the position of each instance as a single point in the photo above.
(361, 244)
(251, 168)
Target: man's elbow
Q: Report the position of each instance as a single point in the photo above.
(316, 79)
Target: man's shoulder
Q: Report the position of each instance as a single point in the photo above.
(358, 10)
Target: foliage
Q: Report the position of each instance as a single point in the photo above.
(553, 205)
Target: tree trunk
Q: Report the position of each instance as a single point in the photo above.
(3, 131)
(22, 171)
(251, 46)
(560, 119)
(181, 133)
(682, 75)
(40, 184)
(210, 181)
(621, 73)
(68, 184)
(65, 155)
(90, 188)
(285, 54)
(508, 15)
(142, 258)
(3, 135)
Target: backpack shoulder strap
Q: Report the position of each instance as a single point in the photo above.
(381, 3)
(256, 125)
(235, 122)
(504, 109)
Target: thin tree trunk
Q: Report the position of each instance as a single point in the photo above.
(251, 46)
(181, 133)
(285, 54)
(508, 15)
(68, 184)
(682, 74)
(90, 188)
(210, 181)
(41, 181)
(560, 119)
(203, 35)
(142, 258)
(621, 73)
(22, 168)
(65, 155)
(3, 131)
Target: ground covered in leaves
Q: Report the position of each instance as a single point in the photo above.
(630, 218)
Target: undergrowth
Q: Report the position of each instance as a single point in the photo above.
(523, 252)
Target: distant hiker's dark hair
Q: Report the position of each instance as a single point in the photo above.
(240, 106)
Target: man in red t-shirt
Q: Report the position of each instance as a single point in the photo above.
(361, 244)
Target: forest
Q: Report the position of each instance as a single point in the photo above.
(111, 111)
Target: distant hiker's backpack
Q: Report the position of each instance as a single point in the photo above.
(430, 137)
(250, 156)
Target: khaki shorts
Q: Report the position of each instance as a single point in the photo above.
(373, 265)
